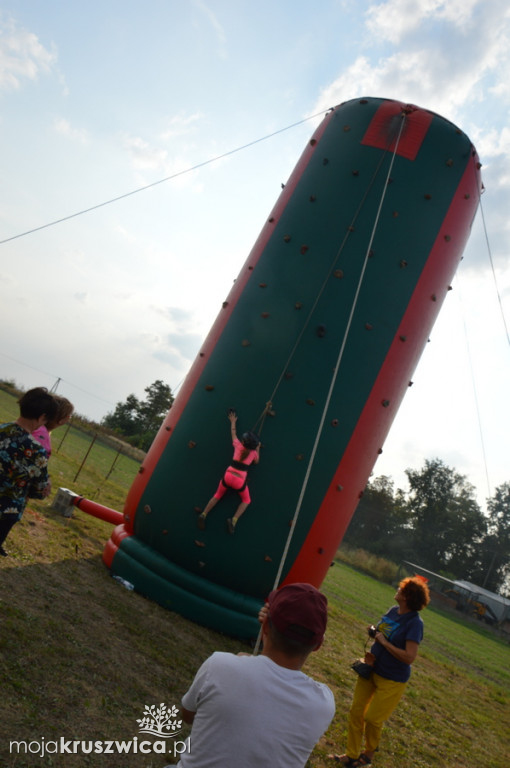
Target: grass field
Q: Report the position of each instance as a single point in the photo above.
(80, 656)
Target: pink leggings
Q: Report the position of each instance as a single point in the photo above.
(231, 480)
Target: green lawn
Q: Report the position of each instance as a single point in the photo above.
(80, 656)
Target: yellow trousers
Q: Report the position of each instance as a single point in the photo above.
(373, 702)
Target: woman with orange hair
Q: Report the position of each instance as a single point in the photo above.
(378, 690)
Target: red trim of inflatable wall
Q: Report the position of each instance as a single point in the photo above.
(319, 548)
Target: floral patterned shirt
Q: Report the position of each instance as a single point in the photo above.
(23, 469)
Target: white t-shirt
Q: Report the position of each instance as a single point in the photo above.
(253, 713)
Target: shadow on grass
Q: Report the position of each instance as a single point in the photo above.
(81, 657)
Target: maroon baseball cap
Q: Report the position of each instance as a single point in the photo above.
(299, 612)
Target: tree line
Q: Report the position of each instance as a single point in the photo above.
(438, 525)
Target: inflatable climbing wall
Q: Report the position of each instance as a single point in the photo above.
(325, 322)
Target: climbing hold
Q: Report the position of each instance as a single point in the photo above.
(447, 238)
(466, 197)
(321, 331)
(299, 456)
(209, 387)
(271, 219)
(379, 451)
(199, 543)
(402, 338)
(450, 288)
(360, 494)
(321, 550)
(141, 470)
(312, 198)
(347, 128)
(368, 326)
(268, 559)
(339, 487)
(164, 532)
(428, 197)
(403, 263)
(304, 249)
(449, 162)
(434, 297)
(338, 273)
(309, 401)
(147, 509)
(313, 142)
(286, 238)
(288, 375)
(355, 173)
(410, 383)
(225, 304)
(363, 101)
(385, 403)
(395, 214)
(201, 564)
(264, 315)
(334, 423)
(325, 161)
(245, 343)
(191, 444)
(198, 510)
(298, 305)
(371, 254)
(351, 228)
(168, 429)
(262, 285)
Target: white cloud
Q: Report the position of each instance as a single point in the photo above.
(22, 56)
(217, 27)
(450, 55)
(396, 19)
(64, 128)
(144, 157)
(181, 125)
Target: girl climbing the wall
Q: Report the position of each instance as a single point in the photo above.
(246, 452)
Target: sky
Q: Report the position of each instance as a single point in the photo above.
(189, 115)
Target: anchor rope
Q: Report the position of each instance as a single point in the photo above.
(489, 251)
(334, 377)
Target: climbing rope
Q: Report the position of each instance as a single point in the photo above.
(335, 373)
(269, 404)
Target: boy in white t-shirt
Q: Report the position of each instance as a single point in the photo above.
(257, 711)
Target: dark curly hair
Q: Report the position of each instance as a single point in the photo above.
(416, 592)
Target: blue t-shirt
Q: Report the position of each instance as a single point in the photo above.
(397, 628)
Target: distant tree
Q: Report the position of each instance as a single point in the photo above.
(379, 522)
(492, 569)
(154, 408)
(125, 418)
(139, 420)
(447, 523)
